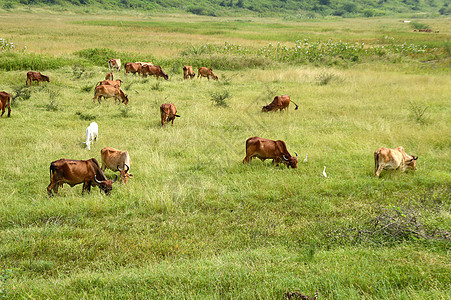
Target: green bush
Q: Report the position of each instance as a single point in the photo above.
(29, 61)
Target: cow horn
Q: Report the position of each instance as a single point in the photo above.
(95, 179)
(415, 157)
(128, 168)
(119, 169)
(284, 157)
(296, 154)
(115, 178)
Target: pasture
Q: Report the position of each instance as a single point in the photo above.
(194, 222)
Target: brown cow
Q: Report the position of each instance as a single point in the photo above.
(109, 76)
(396, 158)
(279, 102)
(114, 63)
(117, 82)
(269, 149)
(74, 172)
(5, 100)
(154, 70)
(36, 76)
(116, 160)
(188, 72)
(206, 72)
(168, 113)
(109, 91)
(144, 63)
(133, 68)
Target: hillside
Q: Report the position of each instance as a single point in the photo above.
(304, 9)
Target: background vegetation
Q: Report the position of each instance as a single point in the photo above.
(194, 222)
(292, 9)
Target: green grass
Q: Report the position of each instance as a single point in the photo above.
(196, 223)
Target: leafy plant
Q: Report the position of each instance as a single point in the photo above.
(418, 25)
(51, 106)
(325, 78)
(157, 86)
(20, 92)
(418, 112)
(85, 116)
(219, 98)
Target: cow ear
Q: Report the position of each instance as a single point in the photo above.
(130, 175)
(414, 157)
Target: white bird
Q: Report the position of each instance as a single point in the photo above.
(324, 172)
(305, 159)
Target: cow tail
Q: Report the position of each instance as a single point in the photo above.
(296, 108)
(52, 170)
(8, 101)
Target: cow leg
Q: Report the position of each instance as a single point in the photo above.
(49, 189)
(379, 170)
(247, 159)
(3, 111)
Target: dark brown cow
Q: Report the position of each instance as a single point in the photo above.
(279, 102)
(109, 76)
(5, 100)
(109, 91)
(206, 72)
(133, 68)
(116, 160)
(154, 71)
(269, 149)
(168, 113)
(188, 72)
(74, 172)
(36, 76)
(396, 158)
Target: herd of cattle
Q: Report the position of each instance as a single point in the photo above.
(90, 173)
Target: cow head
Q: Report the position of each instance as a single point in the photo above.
(45, 78)
(166, 77)
(105, 185)
(291, 161)
(124, 173)
(412, 162)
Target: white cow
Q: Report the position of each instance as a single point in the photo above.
(92, 132)
(114, 63)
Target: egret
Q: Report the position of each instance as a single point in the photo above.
(305, 159)
(324, 172)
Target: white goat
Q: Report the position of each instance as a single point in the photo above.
(92, 133)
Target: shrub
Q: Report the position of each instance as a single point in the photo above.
(85, 117)
(418, 25)
(219, 98)
(418, 112)
(20, 92)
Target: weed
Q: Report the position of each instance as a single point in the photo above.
(418, 25)
(125, 112)
(51, 106)
(85, 116)
(20, 92)
(87, 88)
(157, 87)
(325, 78)
(78, 71)
(418, 112)
(219, 98)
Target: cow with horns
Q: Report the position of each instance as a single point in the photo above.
(116, 160)
(394, 159)
(74, 172)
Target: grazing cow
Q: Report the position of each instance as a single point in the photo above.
(269, 149)
(36, 76)
(206, 72)
(114, 63)
(116, 160)
(188, 72)
(168, 113)
(154, 70)
(5, 100)
(396, 158)
(92, 132)
(144, 63)
(133, 68)
(109, 76)
(109, 91)
(74, 172)
(279, 102)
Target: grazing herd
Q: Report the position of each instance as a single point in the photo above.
(89, 173)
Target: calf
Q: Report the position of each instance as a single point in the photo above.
(206, 72)
(114, 63)
(396, 158)
(188, 72)
(279, 103)
(269, 149)
(74, 172)
(116, 160)
(36, 76)
(92, 132)
(5, 100)
(168, 113)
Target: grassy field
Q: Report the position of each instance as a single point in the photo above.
(194, 222)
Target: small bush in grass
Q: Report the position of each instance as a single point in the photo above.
(85, 116)
(418, 25)
(157, 86)
(51, 106)
(219, 98)
(418, 112)
(325, 78)
(20, 92)
(87, 88)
